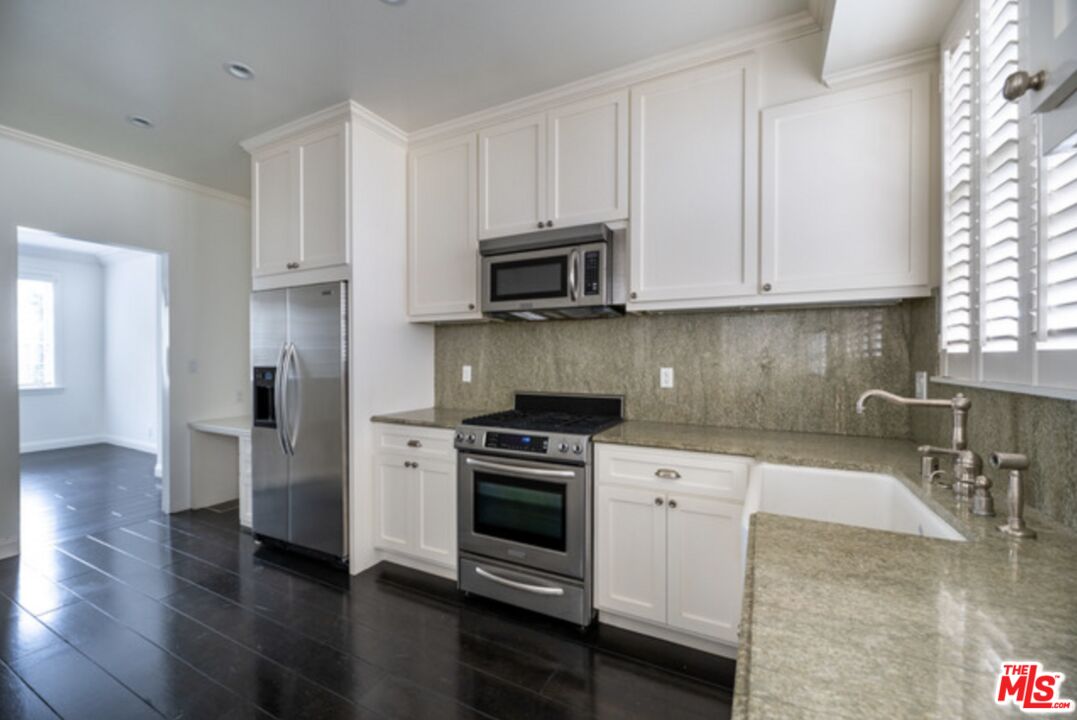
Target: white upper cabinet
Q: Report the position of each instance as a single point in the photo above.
(693, 233)
(562, 168)
(300, 206)
(512, 177)
(323, 188)
(276, 212)
(443, 231)
(845, 191)
(588, 161)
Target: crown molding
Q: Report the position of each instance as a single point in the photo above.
(347, 110)
(114, 164)
(901, 62)
(781, 30)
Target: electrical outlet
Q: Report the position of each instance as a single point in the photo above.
(665, 377)
(466, 374)
(921, 385)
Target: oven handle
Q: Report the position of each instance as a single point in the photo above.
(519, 469)
(536, 589)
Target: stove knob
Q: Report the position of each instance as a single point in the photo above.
(471, 438)
(577, 449)
(563, 447)
(459, 437)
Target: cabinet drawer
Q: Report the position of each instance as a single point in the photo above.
(724, 476)
(415, 441)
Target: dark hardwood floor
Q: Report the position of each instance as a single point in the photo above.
(185, 616)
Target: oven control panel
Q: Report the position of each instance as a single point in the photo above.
(519, 442)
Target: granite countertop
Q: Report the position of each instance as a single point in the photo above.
(447, 418)
(844, 622)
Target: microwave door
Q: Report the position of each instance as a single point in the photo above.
(533, 280)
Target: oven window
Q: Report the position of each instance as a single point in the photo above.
(537, 278)
(524, 511)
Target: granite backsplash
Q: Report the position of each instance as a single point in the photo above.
(786, 369)
(798, 370)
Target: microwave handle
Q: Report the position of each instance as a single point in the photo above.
(574, 275)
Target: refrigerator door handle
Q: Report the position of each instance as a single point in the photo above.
(293, 422)
(278, 397)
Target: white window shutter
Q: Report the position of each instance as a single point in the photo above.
(959, 212)
(1057, 347)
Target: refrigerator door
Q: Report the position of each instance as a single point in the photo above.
(315, 416)
(269, 463)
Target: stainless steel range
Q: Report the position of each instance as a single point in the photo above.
(526, 498)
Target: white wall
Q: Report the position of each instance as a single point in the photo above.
(71, 414)
(207, 238)
(131, 408)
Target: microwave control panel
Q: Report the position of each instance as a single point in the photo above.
(592, 261)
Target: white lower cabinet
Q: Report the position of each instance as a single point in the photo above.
(668, 545)
(415, 495)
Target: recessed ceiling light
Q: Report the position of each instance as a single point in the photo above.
(240, 71)
(140, 122)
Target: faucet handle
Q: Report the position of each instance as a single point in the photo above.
(933, 450)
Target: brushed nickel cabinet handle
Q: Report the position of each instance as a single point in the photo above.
(766, 287)
(633, 295)
(658, 502)
(540, 224)
(549, 223)
(414, 444)
(471, 306)
(667, 474)
(672, 504)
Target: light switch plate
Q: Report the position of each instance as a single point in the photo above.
(466, 374)
(665, 377)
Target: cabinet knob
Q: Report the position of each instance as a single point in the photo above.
(410, 464)
(471, 306)
(766, 287)
(672, 504)
(658, 501)
(293, 266)
(541, 224)
(1020, 82)
(632, 295)
(549, 223)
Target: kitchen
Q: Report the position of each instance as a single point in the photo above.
(726, 373)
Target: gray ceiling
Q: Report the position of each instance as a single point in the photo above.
(72, 70)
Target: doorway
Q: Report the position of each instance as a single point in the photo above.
(93, 398)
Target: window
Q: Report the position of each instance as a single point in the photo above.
(37, 333)
(1008, 301)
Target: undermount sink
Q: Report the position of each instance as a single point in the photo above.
(868, 500)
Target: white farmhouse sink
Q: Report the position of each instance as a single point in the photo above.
(868, 500)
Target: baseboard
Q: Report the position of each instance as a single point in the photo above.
(714, 647)
(9, 547)
(141, 446)
(60, 443)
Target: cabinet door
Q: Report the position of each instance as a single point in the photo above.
(1051, 45)
(588, 161)
(396, 495)
(323, 191)
(512, 177)
(443, 231)
(705, 575)
(275, 211)
(436, 513)
(694, 233)
(630, 561)
(845, 190)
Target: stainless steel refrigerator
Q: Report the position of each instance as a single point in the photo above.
(299, 354)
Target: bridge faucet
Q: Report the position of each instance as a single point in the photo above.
(968, 466)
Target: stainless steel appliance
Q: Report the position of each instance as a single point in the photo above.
(564, 273)
(525, 480)
(299, 458)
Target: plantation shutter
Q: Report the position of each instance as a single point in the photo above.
(1000, 232)
(1059, 303)
(958, 215)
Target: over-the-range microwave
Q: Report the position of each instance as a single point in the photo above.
(555, 274)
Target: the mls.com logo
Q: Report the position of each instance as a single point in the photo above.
(1025, 684)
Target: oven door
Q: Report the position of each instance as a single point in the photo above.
(530, 513)
(545, 279)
